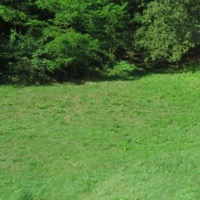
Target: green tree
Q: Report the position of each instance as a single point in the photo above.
(167, 31)
(87, 33)
(67, 38)
(20, 33)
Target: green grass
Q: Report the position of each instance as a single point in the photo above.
(110, 140)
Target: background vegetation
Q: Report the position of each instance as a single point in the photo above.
(44, 40)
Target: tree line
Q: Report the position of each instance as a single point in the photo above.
(64, 39)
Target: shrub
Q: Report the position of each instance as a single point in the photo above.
(165, 34)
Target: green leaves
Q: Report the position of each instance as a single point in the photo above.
(80, 35)
(165, 34)
(8, 14)
(70, 48)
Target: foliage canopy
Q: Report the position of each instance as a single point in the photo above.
(67, 38)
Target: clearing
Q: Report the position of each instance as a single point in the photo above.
(110, 140)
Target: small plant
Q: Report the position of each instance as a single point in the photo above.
(124, 66)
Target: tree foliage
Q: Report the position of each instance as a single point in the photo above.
(166, 31)
(67, 38)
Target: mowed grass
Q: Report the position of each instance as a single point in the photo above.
(109, 140)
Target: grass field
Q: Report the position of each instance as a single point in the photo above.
(110, 140)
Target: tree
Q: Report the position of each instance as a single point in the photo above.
(83, 34)
(20, 33)
(65, 39)
(167, 31)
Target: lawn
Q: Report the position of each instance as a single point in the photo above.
(107, 140)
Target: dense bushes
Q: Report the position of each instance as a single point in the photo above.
(65, 39)
(165, 34)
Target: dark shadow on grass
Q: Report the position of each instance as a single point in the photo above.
(176, 69)
(125, 75)
(92, 76)
(135, 74)
(106, 75)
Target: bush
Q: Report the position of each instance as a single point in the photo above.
(26, 72)
(165, 34)
(70, 53)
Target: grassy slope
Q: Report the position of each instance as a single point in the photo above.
(116, 140)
